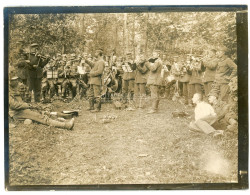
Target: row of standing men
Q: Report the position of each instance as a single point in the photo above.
(189, 76)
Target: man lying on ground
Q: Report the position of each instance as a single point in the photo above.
(19, 110)
(205, 116)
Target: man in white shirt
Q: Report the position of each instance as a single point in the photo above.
(205, 116)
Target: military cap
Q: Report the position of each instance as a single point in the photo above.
(34, 45)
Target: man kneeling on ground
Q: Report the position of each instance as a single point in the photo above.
(21, 110)
(205, 116)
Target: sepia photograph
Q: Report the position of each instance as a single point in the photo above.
(116, 96)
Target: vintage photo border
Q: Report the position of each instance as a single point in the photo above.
(242, 57)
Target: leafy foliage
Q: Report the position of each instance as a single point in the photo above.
(173, 32)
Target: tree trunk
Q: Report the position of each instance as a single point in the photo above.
(146, 37)
(133, 36)
(124, 34)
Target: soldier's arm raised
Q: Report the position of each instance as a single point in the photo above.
(90, 63)
(153, 66)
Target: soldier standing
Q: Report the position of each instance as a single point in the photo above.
(35, 70)
(140, 81)
(184, 79)
(210, 64)
(225, 71)
(128, 78)
(95, 80)
(154, 80)
(195, 80)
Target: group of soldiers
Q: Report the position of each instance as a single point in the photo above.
(133, 77)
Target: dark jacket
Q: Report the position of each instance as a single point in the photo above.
(35, 60)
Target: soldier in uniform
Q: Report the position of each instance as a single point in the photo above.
(49, 83)
(21, 71)
(166, 67)
(128, 79)
(173, 78)
(154, 80)
(225, 71)
(35, 69)
(66, 83)
(195, 80)
(140, 81)
(210, 64)
(20, 110)
(95, 80)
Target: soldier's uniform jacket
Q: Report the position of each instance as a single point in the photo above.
(130, 75)
(154, 77)
(36, 72)
(15, 102)
(185, 74)
(211, 65)
(96, 72)
(141, 73)
(196, 76)
(225, 71)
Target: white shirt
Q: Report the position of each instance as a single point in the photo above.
(202, 110)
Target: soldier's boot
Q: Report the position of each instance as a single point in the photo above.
(64, 125)
(154, 107)
(37, 96)
(98, 105)
(124, 98)
(167, 93)
(91, 104)
(142, 101)
(131, 96)
(137, 101)
(73, 92)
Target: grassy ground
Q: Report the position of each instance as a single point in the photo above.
(134, 148)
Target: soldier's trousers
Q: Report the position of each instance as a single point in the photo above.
(220, 90)
(195, 88)
(49, 85)
(35, 86)
(128, 88)
(208, 87)
(69, 84)
(155, 96)
(94, 91)
(30, 114)
(94, 94)
(186, 91)
(140, 94)
(203, 125)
